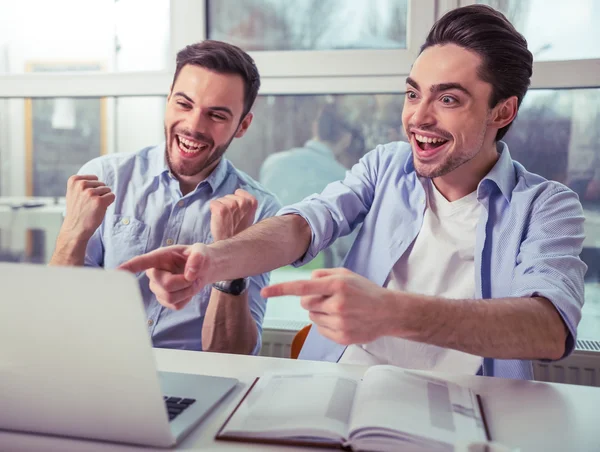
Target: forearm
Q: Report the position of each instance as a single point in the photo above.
(270, 244)
(228, 325)
(507, 328)
(69, 250)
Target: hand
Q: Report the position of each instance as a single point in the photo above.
(232, 214)
(87, 201)
(176, 273)
(346, 308)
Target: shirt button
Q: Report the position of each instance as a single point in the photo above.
(150, 322)
(181, 203)
(170, 241)
(125, 221)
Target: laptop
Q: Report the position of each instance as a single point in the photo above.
(76, 360)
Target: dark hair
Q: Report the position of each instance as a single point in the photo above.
(331, 125)
(507, 63)
(222, 58)
(357, 146)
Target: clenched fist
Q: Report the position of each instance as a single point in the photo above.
(87, 201)
(232, 214)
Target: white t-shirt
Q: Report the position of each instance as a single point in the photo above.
(439, 262)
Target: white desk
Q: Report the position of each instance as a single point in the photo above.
(531, 415)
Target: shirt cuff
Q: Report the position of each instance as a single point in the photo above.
(317, 221)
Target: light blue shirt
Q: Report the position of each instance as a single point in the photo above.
(528, 240)
(150, 212)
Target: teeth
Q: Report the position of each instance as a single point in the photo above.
(423, 139)
(191, 147)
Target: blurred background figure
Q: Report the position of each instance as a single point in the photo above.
(294, 174)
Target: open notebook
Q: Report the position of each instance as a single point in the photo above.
(390, 409)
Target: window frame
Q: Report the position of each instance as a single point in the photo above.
(290, 72)
(565, 74)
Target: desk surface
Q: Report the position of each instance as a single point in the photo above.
(534, 416)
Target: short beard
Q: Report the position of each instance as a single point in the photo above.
(453, 162)
(187, 172)
(445, 168)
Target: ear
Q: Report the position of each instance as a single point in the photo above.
(244, 125)
(504, 113)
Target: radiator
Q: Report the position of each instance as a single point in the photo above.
(581, 368)
(277, 337)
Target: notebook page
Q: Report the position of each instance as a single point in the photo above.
(284, 405)
(391, 398)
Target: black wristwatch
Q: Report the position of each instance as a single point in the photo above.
(233, 287)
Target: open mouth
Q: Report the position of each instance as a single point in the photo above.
(190, 146)
(429, 144)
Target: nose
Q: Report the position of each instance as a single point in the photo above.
(422, 115)
(197, 121)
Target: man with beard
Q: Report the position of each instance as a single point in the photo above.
(465, 261)
(180, 192)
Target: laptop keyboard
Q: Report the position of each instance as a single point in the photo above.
(177, 405)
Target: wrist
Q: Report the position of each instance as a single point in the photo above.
(69, 250)
(232, 287)
(405, 318)
(71, 234)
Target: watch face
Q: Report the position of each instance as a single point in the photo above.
(234, 287)
(238, 286)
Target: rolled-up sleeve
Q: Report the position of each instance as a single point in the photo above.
(340, 208)
(548, 264)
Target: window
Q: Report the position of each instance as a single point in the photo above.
(103, 35)
(45, 141)
(351, 54)
(555, 29)
(286, 122)
(309, 24)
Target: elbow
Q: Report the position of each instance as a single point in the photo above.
(557, 347)
(557, 351)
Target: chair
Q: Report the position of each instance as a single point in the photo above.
(298, 341)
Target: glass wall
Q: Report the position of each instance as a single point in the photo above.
(43, 142)
(555, 29)
(309, 24)
(350, 57)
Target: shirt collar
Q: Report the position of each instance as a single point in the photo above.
(319, 147)
(158, 161)
(218, 175)
(502, 174)
(158, 166)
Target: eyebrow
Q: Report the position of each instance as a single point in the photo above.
(185, 96)
(216, 108)
(222, 109)
(440, 87)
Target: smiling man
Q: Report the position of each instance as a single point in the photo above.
(465, 261)
(180, 192)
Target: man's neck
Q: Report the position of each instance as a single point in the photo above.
(187, 184)
(465, 179)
